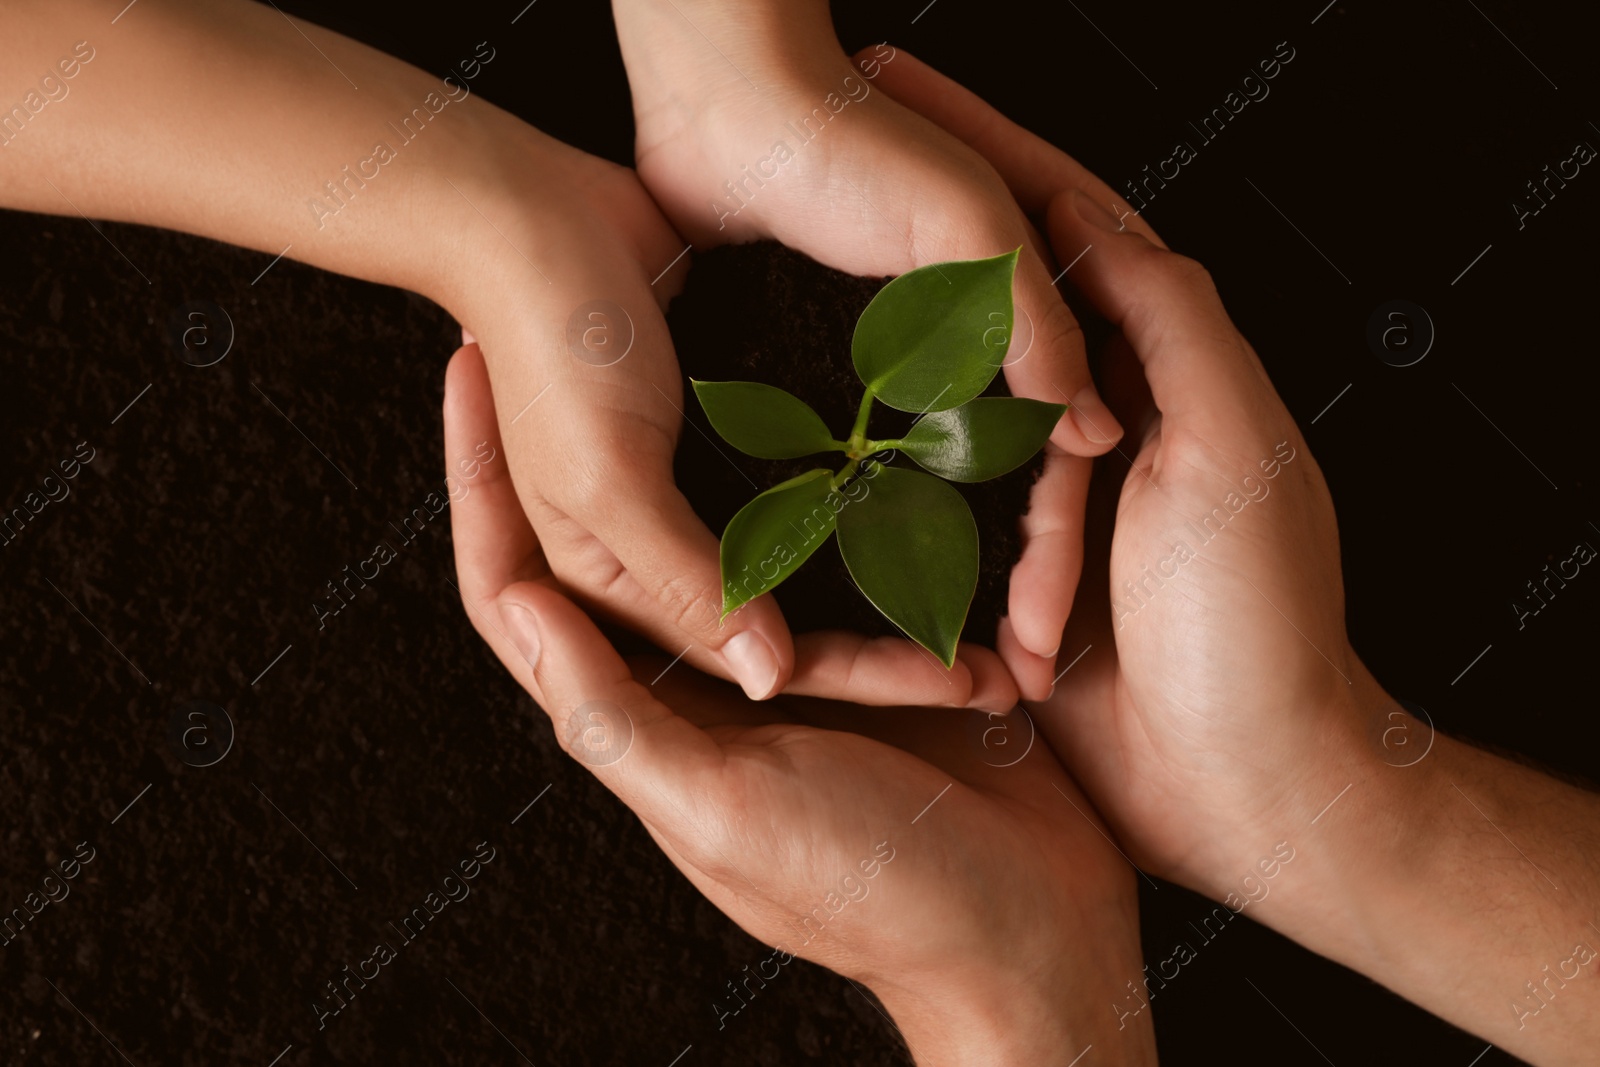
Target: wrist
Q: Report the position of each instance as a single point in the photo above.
(1042, 1013)
(1455, 878)
(477, 207)
(1353, 806)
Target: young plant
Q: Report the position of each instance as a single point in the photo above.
(929, 343)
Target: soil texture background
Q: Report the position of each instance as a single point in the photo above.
(374, 752)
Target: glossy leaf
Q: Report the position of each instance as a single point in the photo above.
(763, 420)
(983, 438)
(775, 533)
(911, 545)
(933, 339)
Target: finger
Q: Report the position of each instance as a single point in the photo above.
(993, 687)
(1082, 669)
(1033, 168)
(1046, 576)
(669, 552)
(892, 672)
(604, 462)
(656, 762)
(1200, 370)
(653, 760)
(1034, 673)
(1055, 368)
(500, 546)
(1122, 380)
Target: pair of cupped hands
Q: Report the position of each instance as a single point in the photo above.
(1180, 711)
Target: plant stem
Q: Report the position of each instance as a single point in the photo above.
(858, 433)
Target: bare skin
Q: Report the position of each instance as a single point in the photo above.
(1222, 709)
(287, 138)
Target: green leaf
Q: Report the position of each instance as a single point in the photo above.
(933, 338)
(775, 533)
(983, 438)
(762, 420)
(911, 546)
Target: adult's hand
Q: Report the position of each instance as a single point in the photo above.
(753, 123)
(556, 260)
(1219, 716)
(982, 903)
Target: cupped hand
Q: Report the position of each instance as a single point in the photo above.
(982, 902)
(753, 123)
(564, 284)
(1217, 691)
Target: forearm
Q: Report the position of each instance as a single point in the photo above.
(227, 120)
(724, 41)
(1464, 882)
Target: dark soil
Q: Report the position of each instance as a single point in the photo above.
(383, 747)
(764, 313)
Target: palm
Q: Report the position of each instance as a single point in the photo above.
(879, 192)
(1202, 658)
(802, 800)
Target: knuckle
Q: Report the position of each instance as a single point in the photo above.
(1058, 331)
(1189, 273)
(583, 486)
(690, 606)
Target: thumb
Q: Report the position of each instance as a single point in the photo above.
(667, 550)
(653, 760)
(1200, 370)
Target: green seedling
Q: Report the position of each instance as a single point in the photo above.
(928, 344)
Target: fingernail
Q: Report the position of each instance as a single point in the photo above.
(467, 338)
(1093, 419)
(753, 663)
(523, 629)
(1090, 211)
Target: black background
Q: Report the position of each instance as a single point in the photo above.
(193, 544)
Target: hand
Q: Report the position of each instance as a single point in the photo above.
(593, 462)
(752, 122)
(1223, 662)
(514, 232)
(983, 904)
(1219, 716)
